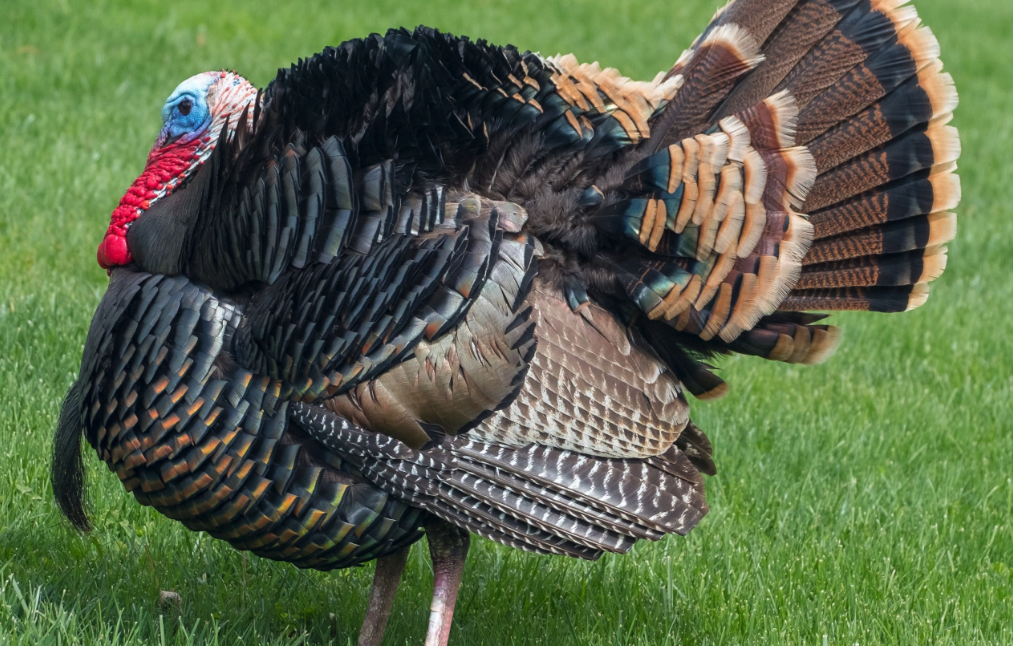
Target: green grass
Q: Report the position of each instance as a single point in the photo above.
(868, 500)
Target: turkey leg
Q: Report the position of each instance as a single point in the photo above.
(385, 582)
(448, 547)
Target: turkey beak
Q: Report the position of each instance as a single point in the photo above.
(164, 139)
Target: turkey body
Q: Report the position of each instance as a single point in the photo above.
(425, 284)
(207, 442)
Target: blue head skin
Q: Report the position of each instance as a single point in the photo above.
(185, 114)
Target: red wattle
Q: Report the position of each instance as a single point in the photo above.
(112, 251)
(166, 167)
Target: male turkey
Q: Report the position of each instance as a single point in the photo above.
(421, 282)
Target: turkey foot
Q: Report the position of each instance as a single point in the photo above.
(385, 583)
(448, 547)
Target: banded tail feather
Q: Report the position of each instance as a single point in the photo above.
(891, 269)
(934, 191)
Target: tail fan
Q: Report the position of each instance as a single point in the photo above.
(805, 164)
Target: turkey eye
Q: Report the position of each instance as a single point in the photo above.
(185, 106)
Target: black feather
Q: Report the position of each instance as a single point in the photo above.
(67, 469)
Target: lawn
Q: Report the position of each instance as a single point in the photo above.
(864, 501)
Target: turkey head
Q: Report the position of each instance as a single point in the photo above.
(149, 227)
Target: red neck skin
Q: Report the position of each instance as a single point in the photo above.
(167, 166)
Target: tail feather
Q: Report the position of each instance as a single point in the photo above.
(850, 43)
(908, 268)
(919, 194)
(789, 337)
(865, 299)
(919, 100)
(868, 82)
(910, 153)
(919, 233)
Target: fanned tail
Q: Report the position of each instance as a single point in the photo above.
(836, 109)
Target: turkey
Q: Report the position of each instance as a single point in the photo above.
(423, 285)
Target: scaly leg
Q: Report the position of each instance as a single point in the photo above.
(448, 547)
(385, 582)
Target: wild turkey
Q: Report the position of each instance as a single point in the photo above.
(421, 282)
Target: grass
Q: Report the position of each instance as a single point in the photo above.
(864, 501)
